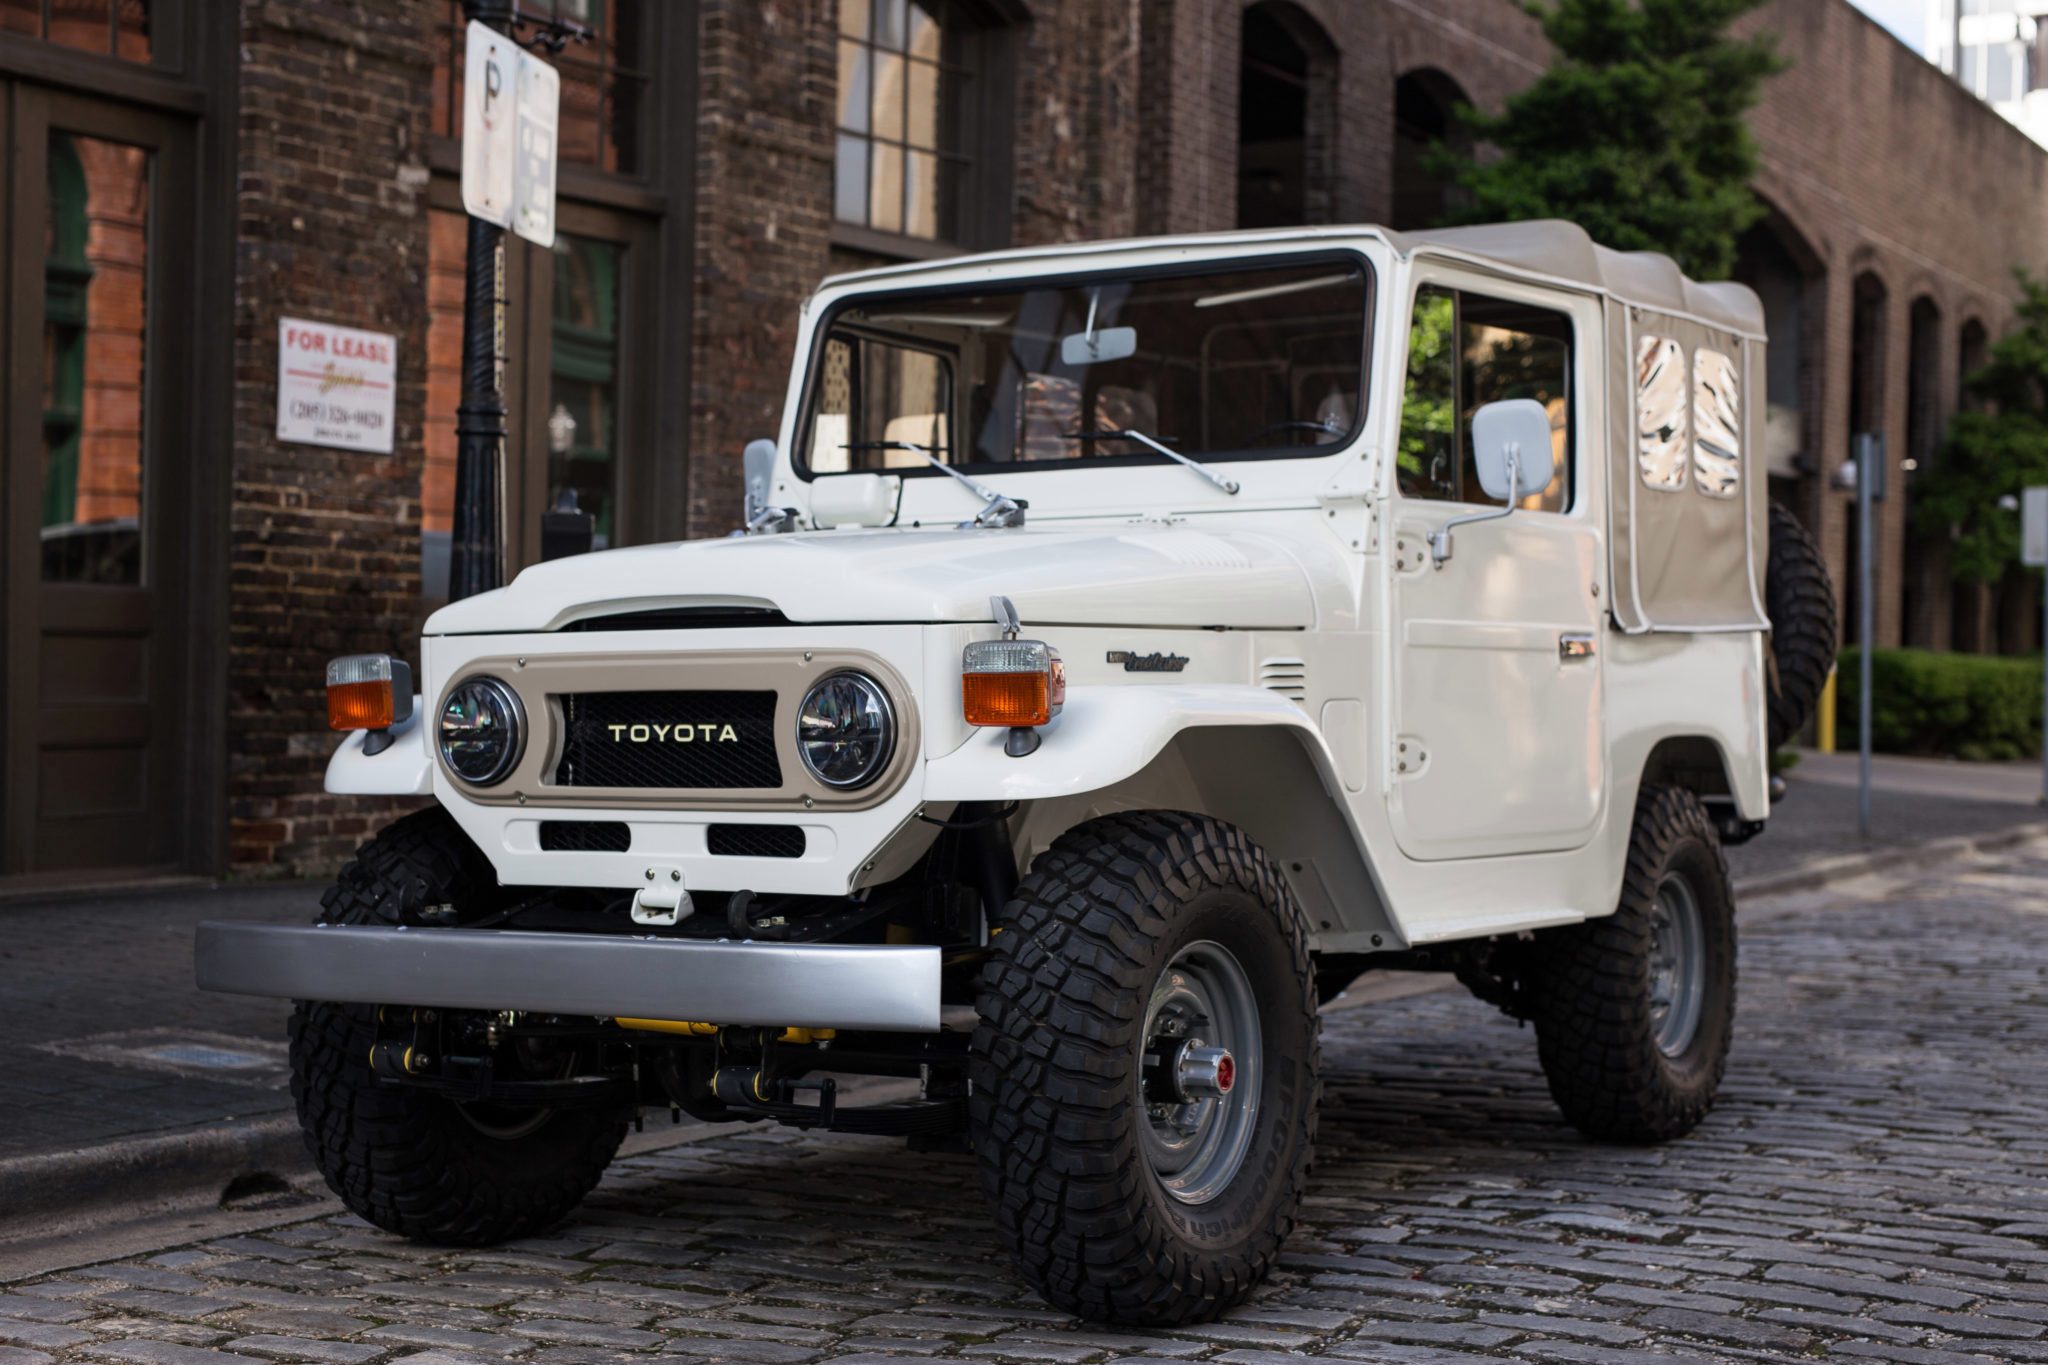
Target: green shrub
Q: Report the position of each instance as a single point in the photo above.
(1972, 706)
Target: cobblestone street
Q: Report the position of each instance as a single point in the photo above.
(1873, 1185)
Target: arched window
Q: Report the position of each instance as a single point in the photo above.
(1920, 581)
(1425, 104)
(1286, 118)
(1775, 261)
(1973, 348)
(1923, 385)
(1866, 411)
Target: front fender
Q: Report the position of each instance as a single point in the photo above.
(404, 769)
(1241, 754)
(1107, 734)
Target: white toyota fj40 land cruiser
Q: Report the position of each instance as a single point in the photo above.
(1129, 644)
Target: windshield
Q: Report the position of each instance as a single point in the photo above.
(1253, 360)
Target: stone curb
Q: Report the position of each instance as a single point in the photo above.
(198, 1164)
(159, 1169)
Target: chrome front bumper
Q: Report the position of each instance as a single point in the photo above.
(770, 985)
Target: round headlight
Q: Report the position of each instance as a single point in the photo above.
(482, 731)
(846, 730)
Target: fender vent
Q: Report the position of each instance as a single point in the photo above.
(1288, 677)
(585, 836)
(755, 841)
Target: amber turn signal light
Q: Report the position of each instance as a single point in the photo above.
(368, 692)
(1011, 683)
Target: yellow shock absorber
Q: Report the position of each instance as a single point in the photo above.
(695, 1030)
(669, 1026)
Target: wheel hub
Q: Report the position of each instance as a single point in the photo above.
(1199, 1075)
(1678, 965)
(1186, 1070)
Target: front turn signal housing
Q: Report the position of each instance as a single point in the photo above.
(1011, 683)
(368, 692)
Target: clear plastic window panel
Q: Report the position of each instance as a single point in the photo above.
(1717, 423)
(1661, 413)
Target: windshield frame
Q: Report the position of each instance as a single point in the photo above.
(1347, 256)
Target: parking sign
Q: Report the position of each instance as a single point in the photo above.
(489, 100)
(533, 178)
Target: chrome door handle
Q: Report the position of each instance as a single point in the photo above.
(1574, 645)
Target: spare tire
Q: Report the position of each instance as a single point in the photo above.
(1801, 600)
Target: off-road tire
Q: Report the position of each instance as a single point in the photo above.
(407, 1160)
(1801, 600)
(1055, 1110)
(1587, 988)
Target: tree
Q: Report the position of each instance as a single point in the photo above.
(1637, 132)
(1995, 447)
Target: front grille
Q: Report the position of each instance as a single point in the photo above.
(585, 836)
(756, 841)
(700, 740)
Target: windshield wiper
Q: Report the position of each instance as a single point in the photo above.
(1129, 434)
(1001, 510)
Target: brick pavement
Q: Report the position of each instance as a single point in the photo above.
(1874, 1185)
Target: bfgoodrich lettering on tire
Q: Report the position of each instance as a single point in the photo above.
(1145, 1068)
(1634, 1012)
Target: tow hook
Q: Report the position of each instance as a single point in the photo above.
(664, 900)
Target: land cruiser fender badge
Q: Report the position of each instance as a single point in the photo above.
(1146, 663)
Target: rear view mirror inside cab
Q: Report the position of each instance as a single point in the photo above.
(1106, 343)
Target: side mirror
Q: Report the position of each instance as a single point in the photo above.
(1511, 445)
(759, 468)
(758, 476)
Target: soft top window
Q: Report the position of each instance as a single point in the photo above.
(1241, 362)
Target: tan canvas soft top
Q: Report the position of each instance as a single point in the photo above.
(1564, 252)
(1681, 559)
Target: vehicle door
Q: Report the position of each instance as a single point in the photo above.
(1498, 662)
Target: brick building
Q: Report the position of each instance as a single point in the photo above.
(181, 174)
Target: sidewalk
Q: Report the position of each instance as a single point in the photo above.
(111, 1042)
(108, 1037)
(1912, 800)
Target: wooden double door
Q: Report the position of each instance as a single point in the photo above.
(99, 575)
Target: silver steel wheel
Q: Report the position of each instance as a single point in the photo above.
(1678, 965)
(1199, 1074)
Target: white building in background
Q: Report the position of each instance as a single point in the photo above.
(1998, 50)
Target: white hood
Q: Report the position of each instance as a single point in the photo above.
(1140, 576)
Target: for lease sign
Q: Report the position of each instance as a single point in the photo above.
(335, 385)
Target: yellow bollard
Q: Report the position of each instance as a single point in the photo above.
(1825, 721)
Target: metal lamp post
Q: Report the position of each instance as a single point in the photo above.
(477, 560)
